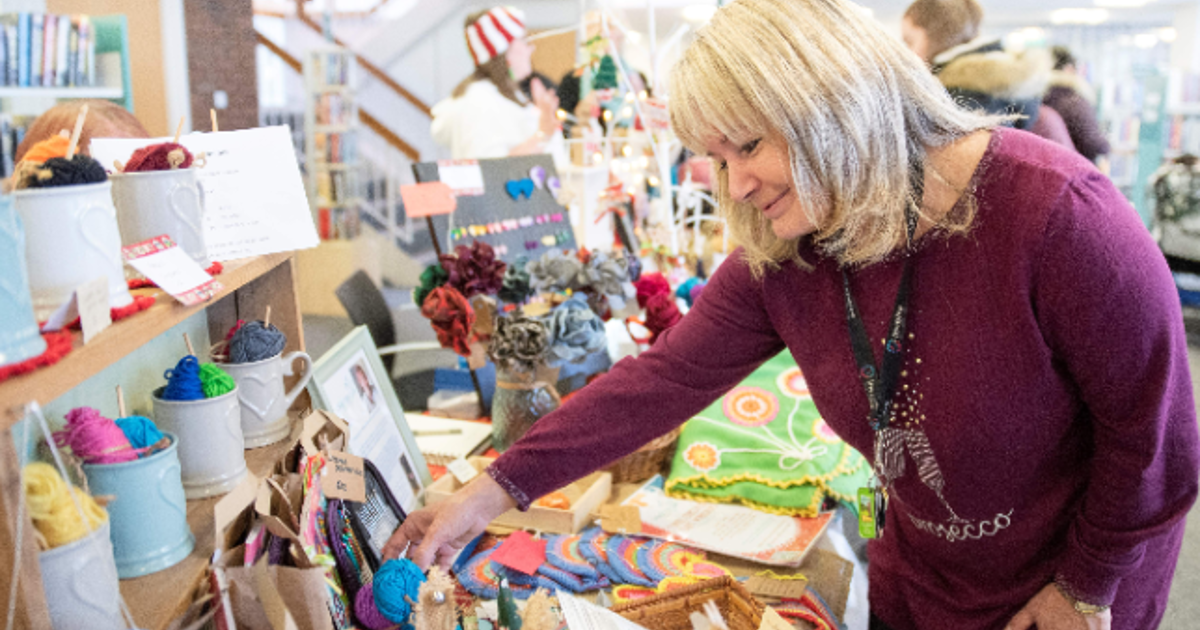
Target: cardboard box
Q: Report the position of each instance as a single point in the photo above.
(586, 496)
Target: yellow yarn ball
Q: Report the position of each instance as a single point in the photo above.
(48, 498)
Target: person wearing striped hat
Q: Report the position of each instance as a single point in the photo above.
(487, 115)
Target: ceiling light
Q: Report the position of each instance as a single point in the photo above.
(1120, 4)
(1145, 40)
(699, 12)
(1079, 16)
(1167, 34)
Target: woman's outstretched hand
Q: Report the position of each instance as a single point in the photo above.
(437, 533)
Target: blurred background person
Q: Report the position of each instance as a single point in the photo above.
(1071, 96)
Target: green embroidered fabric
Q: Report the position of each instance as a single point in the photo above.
(764, 445)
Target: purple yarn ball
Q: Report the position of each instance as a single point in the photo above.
(367, 613)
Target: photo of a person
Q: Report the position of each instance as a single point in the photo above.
(410, 473)
(362, 383)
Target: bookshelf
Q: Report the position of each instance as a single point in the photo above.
(94, 65)
(331, 147)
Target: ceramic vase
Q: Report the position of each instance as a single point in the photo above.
(263, 402)
(80, 580)
(153, 203)
(211, 448)
(520, 400)
(71, 238)
(19, 336)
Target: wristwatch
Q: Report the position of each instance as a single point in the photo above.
(1081, 607)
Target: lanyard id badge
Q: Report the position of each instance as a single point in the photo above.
(872, 509)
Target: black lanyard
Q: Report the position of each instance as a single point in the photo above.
(880, 383)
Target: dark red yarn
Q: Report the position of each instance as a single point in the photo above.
(154, 158)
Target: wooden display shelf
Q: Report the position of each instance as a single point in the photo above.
(160, 597)
(122, 338)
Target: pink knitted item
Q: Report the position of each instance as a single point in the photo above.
(94, 438)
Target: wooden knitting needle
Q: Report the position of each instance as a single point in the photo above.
(212, 113)
(188, 341)
(78, 130)
(178, 131)
(121, 402)
(267, 319)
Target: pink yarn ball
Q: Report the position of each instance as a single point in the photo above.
(94, 438)
(367, 613)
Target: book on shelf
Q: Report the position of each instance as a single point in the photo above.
(36, 35)
(443, 440)
(46, 50)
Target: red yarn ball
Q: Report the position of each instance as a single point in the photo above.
(649, 285)
(661, 314)
(156, 157)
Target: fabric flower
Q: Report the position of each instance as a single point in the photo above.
(451, 317)
(750, 406)
(519, 343)
(702, 456)
(605, 274)
(575, 331)
(433, 277)
(554, 271)
(661, 314)
(649, 285)
(474, 270)
(515, 287)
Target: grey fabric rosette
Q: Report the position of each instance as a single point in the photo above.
(575, 331)
(555, 271)
(606, 274)
(519, 343)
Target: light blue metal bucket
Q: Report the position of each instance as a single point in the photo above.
(149, 514)
(19, 336)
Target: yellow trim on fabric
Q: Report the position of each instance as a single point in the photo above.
(703, 480)
(775, 576)
(810, 511)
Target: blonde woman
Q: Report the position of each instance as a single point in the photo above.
(977, 310)
(487, 115)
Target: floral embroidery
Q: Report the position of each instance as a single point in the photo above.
(822, 430)
(792, 383)
(751, 406)
(703, 456)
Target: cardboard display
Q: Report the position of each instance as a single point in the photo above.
(496, 207)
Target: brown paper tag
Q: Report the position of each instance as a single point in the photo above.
(773, 621)
(771, 587)
(343, 478)
(620, 519)
(478, 356)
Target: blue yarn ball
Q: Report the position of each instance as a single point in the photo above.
(140, 431)
(183, 382)
(255, 342)
(685, 290)
(393, 581)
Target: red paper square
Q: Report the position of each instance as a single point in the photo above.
(521, 552)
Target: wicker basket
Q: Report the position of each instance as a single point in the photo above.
(670, 610)
(647, 461)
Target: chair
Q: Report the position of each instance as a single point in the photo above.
(412, 375)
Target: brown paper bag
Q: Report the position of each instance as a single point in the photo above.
(305, 594)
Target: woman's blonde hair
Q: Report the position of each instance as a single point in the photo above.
(855, 107)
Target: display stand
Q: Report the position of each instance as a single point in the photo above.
(250, 287)
(331, 147)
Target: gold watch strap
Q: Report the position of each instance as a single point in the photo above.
(1080, 606)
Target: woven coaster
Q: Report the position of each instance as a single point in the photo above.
(563, 553)
(480, 578)
(622, 555)
(591, 547)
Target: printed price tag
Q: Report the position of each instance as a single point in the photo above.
(167, 266)
(343, 478)
(462, 470)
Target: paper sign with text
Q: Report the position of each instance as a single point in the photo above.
(89, 304)
(428, 199)
(343, 477)
(168, 266)
(464, 177)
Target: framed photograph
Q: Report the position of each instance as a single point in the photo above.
(350, 381)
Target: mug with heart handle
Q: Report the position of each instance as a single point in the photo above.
(212, 456)
(71, 238)
(80, 580)
(152, 203)
(19, 337)
(260, 392)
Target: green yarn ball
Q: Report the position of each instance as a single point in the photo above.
(215, 381)
(433, 277)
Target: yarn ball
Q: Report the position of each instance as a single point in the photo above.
(394, 581)
(183, 382)
(433, 277)
(649, 285)
(474, 270)
(575, 331)
(554, 271)
(635, 268)
(519, 343)
(515, 287)
(159, 157)
(255, 342)
(689, 290)
(451, 317)
(215, 381)
(367, 613)
(53, 147)
(80, 169)
(53, 511)
(94, 438)
(605, 274)
(661, 314)
(140, 431)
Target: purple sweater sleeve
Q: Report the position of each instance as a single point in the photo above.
(1108, 307)
(725, 336)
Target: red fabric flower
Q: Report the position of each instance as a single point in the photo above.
(649, 285)
(661, 314)
(474, 270)
(452, 318)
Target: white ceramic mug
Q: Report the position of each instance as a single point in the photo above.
(80, 580)
(211, 454)
(71, 237)
(263, 401)
(153, 203)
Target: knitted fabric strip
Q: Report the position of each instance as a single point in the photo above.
(563, 552)
(592, 546)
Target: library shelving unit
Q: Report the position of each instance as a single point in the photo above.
(331, 146)
(113, 80)
(250, 286)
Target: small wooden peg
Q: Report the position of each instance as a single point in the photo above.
(178, 131)
(121, 402)
(188, 341)
(212, 113)
(267, 319)
(119, 166)
(78, 130)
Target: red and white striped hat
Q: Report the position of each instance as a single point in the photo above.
(490, 35)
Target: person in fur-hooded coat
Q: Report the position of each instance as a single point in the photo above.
(1075, 101)
(983, 75)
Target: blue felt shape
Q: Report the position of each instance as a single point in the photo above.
(518, 188)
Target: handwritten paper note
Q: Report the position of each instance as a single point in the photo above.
(343, 477)
(464, 177)
(168, 266)
(254, 198)
(92, 301)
